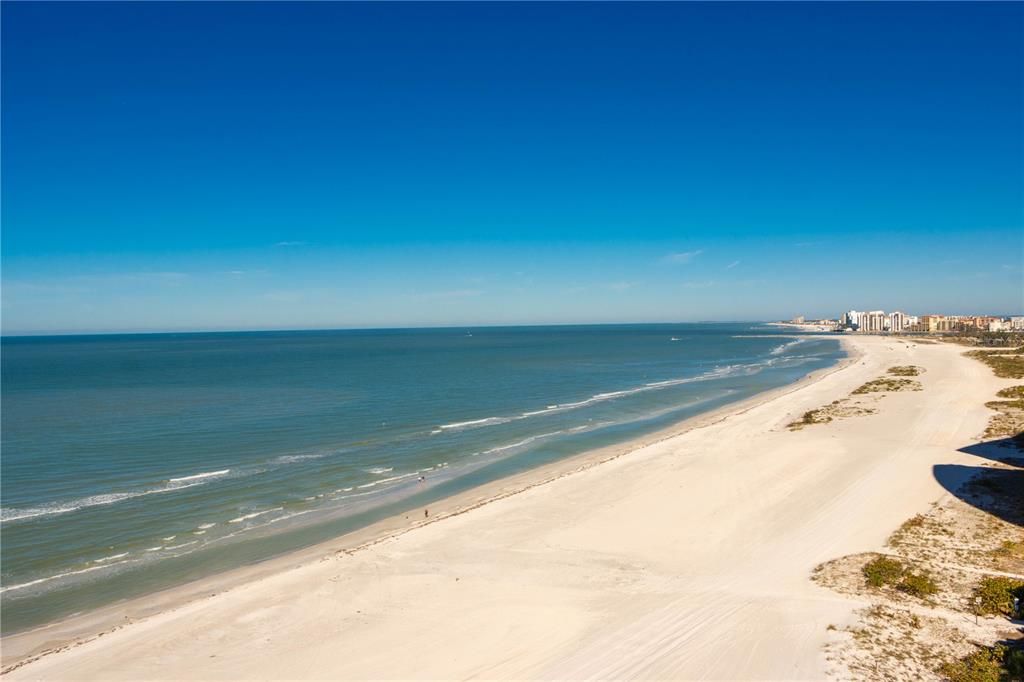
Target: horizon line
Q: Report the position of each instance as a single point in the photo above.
(40, 334)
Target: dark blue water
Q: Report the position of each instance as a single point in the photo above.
(134, 462)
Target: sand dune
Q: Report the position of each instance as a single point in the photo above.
(688, 558)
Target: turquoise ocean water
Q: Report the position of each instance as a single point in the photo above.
(135, 462)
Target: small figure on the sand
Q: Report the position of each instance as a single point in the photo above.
(422, 478)
(426, 513)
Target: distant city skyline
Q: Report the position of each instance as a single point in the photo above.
(230, 166)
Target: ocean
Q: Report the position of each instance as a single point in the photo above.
(131, 463)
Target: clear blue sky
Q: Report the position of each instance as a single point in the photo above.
(265, 165)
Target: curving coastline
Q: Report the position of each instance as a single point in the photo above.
(701, 528)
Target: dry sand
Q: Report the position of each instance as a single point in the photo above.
(688, 558)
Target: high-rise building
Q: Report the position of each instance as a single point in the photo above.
(874, 321)
(937, 323)
(897, 321)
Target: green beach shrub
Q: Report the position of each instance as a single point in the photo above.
(983, 665)
(995, 594)
(884, 384)
(885, 571)
(917, 585)
(905, 371)
(882, 571)
(1005, 364)
(1013, 392)
(810, 417)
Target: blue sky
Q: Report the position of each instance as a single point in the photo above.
(265, 165)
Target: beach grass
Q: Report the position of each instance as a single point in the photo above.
(886, 385)
(988, 664)
(883, 571)
(905, 371)
(1007, 364)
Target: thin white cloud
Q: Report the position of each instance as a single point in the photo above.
(731, 265)
(619, 286)
(244, 273)
(683, 257)
(704, 284)
(290, 244)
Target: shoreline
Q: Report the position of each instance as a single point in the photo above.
(692, 557)
(27, 646)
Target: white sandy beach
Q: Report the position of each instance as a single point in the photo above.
(688, 558)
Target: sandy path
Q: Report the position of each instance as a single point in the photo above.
(687, 559)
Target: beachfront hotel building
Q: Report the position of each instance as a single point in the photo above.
(897, 321)
(850, 319)
(874, 321)
(935, 323)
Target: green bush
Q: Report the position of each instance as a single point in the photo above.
(882, 571)
(917, 584)
(984, 665)
(1005, 364)
(994, 595)
(905, 371)
(884, 384)
(1012, 392)
(885, 571)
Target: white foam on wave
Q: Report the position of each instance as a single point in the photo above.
(781, 348)
(205, 474)
(204, 526)
(288, 516)
(8, 515)
(521, 443)
(717, 373)
(291, 459)
(58, 576)
(377, 471)
(486, 421)
(383, 481)
(110, 558)
(253, 515)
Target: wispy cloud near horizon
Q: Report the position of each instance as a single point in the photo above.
(733, 264)
(683, 257)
